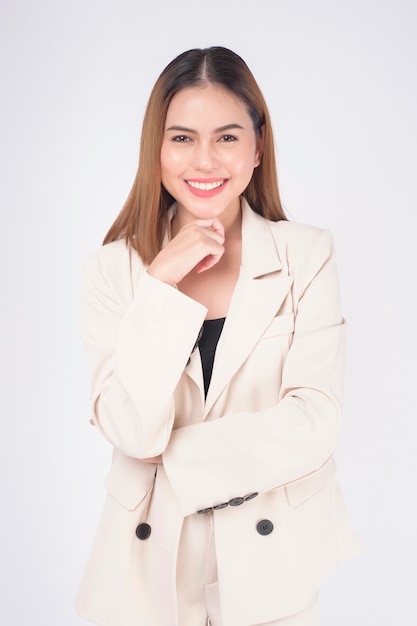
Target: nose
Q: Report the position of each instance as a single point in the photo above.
(205, 157)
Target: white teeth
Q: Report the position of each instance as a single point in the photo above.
(205, 186)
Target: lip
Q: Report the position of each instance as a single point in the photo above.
(206, 193)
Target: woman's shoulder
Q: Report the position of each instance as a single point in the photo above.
(109, 253)
(299, 235)
(297, 231)
(302, 244)
(115, 263)
(287, 231)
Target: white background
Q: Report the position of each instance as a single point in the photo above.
(340, 80)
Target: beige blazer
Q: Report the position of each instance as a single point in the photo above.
(269, 426)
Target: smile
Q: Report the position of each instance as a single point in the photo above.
(205, 186)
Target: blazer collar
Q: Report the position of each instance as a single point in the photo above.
(260, 290)
(259, 253)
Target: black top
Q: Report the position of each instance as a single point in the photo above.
(207, 344)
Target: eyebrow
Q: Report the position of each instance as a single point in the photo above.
(220, 129)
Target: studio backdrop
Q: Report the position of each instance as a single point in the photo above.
(339, 78)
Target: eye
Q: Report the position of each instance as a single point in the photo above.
(228, 138)
(181, 139)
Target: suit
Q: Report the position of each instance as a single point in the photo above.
(264, 437)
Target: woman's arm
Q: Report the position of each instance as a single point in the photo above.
(136, 355)
(240, 453)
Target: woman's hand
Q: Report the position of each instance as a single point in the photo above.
(198, 245)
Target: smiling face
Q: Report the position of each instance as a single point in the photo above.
(209, 151)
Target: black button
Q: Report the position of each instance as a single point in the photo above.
(264, 527)
(207, 510)
(236, 501)
(143, 531)
(251, 496)
(223, 505)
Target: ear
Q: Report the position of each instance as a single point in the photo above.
(260, 143)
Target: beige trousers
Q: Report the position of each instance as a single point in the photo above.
(197, 588)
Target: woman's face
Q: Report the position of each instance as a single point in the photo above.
(209, 151)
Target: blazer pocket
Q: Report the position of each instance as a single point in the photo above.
(303, 488)
(280, 325)
(129, 480)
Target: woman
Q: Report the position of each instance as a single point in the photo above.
(215, 338)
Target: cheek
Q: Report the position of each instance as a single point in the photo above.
(244, 166)
(169, 160)
(243, 161)
(165, 160)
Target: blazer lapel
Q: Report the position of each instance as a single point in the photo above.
(194, 370)
(259, 292)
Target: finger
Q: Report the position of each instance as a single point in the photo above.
(208, 262)
(214, 224)
(214, 234)
(218, 226)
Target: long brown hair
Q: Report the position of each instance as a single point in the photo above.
(142, 220)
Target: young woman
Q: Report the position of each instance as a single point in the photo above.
(216, 343)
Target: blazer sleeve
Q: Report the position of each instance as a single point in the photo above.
(137, 354)
(240, 453)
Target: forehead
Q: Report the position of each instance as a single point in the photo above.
(204, 104)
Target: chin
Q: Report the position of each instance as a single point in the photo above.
(208, 209)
